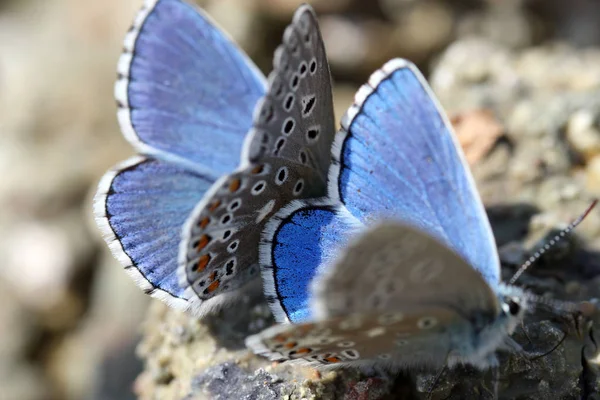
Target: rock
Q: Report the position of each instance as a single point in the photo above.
(501, 22)
(42, 261)
(19, 379)
(356, 46)
(413, 37)
(238, 19)
(98, 356)
(228, 380)
(24, 382)
(477, 131)
(284, 9)
(593, 175)
(583, 133)
(573, 22)
(343, 98)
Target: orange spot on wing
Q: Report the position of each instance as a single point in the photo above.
(258, 169)
(234, 185)
(212, 287)
(202, 262)
(214, 205)
(212, 276)
(332, 359)
(290, 345)
(303, 350)
(304, 329)
(280, 338)
(204, 240)
(204, 222)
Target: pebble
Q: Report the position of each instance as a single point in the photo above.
(583, 133)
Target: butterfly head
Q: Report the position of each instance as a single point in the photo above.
(493, 335)
(513, 305)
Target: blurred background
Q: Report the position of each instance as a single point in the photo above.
(70, 318)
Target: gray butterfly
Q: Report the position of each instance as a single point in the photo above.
(400, 298)
(286, 156)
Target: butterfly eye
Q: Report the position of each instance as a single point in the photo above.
(512, 307)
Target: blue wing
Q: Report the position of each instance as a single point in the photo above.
(397, 157)
(185, 92)
(306, 236)
(186, 96)
(141, 206)
(287, 157)
(394, 158)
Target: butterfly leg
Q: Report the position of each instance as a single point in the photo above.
(525, 332)
(495, 381)
(494, 366)
(379, 371)
(435, 382)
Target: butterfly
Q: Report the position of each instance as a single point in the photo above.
(286, 156)
(397, 265)
(221, 150)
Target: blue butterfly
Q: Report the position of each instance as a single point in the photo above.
(185, 96)
(286, 157)
(397, 264)
(185, 217)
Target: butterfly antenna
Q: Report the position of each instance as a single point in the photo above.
(556, 346)
(551, 243)
(553, 304)
(584, 308)
(437, 380)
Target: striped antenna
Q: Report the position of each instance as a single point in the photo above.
(556, 305)
(585, 308)
(551, 243)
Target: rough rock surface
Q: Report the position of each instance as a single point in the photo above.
(534, 180)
